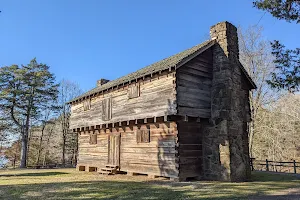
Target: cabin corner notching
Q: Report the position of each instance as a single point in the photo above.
(183, 117)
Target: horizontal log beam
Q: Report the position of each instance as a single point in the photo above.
(164, 118)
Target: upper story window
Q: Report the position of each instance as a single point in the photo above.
(134, 91)
(143, 136)
(106, 109)
(87, 104)
(93, 138)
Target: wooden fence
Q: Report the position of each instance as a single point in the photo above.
(275, 166)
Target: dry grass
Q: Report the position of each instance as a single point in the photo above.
(70, 184)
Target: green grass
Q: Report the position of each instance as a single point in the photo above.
(70, 184)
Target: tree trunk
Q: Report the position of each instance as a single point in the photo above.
(44, 159)
(251, 138)
(64, 149)
(39, 151)
(64, 132)
(40, 145)
(14, 162)
(24, 141)
(47, 145)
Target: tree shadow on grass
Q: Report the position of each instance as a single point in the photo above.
(34, 174)
(130, 190)
(264, 176)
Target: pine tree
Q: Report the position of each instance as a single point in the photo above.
(25, 92)
(287, 73)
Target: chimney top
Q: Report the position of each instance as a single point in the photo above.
(222, 29)
(101, 82)
(226, 36)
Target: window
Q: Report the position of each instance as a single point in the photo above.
(93, 138)
(143, 136)
(106, 109)
(87, 104)
(134, 91)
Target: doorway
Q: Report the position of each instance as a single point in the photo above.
(114, 149)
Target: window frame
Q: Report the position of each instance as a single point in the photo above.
(107, 112)
(143, 136)
(93, 138)
(87, 104)
(133, 91)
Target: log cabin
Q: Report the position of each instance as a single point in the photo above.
(183, 117)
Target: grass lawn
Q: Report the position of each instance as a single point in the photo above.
(70, 184)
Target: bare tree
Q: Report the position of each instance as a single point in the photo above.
(44, 123)
(274, 130)
(50, 131)
(13, 152)
(278, 131)
(45, 139)
(67, 91)
(50, 136)
(256, 57)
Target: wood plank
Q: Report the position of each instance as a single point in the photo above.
(190, 149)
(194, 112)
(195, 73)
(157, 97)
(204, 85)
(200, 66)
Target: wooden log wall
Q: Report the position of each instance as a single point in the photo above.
(190, 150)
(193, 85)
(94, 155)
(158, 157)
(171, 153)
(157, 98)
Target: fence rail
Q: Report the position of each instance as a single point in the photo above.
(275, 166)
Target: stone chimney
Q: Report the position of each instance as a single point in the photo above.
(226, 36)
(225, 144)
(101, 82)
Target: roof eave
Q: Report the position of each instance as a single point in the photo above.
(252, 83)
(201, 50)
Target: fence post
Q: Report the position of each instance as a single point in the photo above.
(295, 170)
(267, 165)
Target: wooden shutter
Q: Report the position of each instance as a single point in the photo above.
(87, 104)
(134, 91)
(143, 136)
(93, 138)
(106, 109)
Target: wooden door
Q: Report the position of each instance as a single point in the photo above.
(114, 149)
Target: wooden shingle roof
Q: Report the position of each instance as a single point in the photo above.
(167, 63)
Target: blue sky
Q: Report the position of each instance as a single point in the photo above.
(84, 41)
